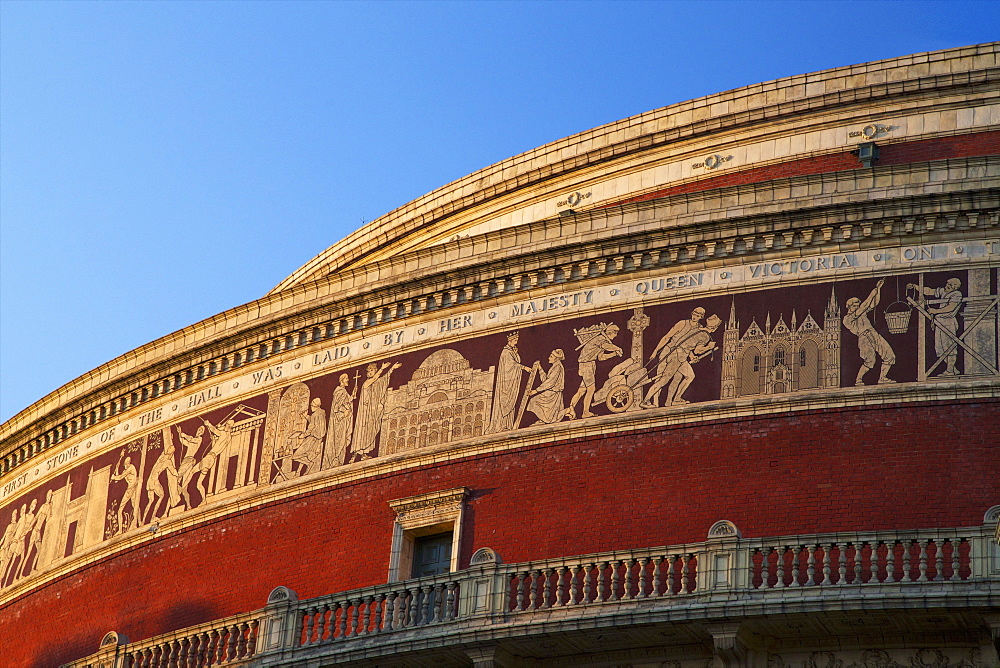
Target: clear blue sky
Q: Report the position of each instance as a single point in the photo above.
(161, 162)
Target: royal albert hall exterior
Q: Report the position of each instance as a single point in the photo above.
(714, 385)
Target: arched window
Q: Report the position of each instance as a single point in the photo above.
(779, 357)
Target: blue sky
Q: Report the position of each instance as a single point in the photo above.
(161, 162)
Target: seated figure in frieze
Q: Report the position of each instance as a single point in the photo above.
(309, 448)
(546, 400)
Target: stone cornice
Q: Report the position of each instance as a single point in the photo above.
(841, 89)
(919, 201)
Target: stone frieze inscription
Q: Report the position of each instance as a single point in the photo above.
(912, 327)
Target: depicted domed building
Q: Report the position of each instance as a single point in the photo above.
(715, 385)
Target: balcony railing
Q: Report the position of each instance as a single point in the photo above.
(723, 568)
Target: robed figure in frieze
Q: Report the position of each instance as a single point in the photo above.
(507, 387)
(371, 406)
(341, 424)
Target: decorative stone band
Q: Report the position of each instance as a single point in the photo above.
(670, 252)
(541, 304)
(757, 577)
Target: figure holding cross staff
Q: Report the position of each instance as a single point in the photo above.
(341, 425)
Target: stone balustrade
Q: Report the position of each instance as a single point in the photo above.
(225, 642)
(721, 570)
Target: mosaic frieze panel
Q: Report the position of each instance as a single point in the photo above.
(917, 327)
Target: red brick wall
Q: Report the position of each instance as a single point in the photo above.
(902, 467)
(961, 146)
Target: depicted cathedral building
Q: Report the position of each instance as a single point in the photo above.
(445, 400)
(782, 358)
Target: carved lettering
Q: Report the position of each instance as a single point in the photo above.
(259, 377)
(392, 338)
(671, 283)
(62, 458)
(207, 395)
(14, 484)
(150, 417)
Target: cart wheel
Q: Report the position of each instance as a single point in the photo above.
(620, 399)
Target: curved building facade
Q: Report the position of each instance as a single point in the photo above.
(712, 385)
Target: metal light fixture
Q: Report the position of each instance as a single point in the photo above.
(868, 153)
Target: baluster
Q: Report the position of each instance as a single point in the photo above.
(574, 588)
(685, 572)
(827, 549)
(627, 579)
(923, 561)
(449, 613)
(379, 618)
(343, 606)
(234, 632)
(366, 614)
(307, 622)
(842, 564)
(643, 566)
(657, 565)
(587, 577)
(390, 610)
(601, 582)
(203, 641)
(858, 553)
(352, 623)
(766, 569)
(252, 642)
(907, 559)
(522, 578)
(561, 585)
(796, 565)
(938, 560)
(437, 614)
(615, 567)
(890, 562)
(811, 565)
(873, 562)
(425, 606)
(780, 564)
(533, 591)
(330, 624)
(374, 613)
(175, 653)
(671, 562)
(955, 565)
(241, 649)
(192, 651)
(547, 592)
